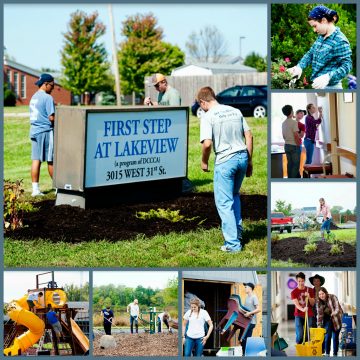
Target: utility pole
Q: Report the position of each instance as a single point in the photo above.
(115, 59)
(241, 38)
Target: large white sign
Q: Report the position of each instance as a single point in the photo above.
(127, 147)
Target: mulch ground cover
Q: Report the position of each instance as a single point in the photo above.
(72, 224)
(143, 344)
(293, 248)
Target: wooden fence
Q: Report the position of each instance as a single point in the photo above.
(189, 85)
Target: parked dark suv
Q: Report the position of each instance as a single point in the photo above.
(250, 99)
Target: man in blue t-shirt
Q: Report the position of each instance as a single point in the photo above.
(108, 319)
(42, 117)
(53, 319)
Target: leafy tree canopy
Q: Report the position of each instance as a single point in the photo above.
(144, 53)
(281, 206)
(256, 61)
(84, 59)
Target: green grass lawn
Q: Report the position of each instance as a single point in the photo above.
(343, 235)
(195, 249)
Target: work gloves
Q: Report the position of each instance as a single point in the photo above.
(321, 81)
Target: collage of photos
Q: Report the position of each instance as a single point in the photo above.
(178, 192)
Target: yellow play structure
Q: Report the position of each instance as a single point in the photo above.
(35, 322)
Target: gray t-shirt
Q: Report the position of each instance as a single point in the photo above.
(289, 127)
(251, 302)
(170, 97)
(225, 126)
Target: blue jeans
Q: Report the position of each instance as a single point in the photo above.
(133, 319)
(299, 328)
(309, 147)
(331, 333)
(193, 344)
(325, 226)
(228, 177)
(248, 334)
(293, 160)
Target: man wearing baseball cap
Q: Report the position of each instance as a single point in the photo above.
(168, 95)
(252, 303)
(42, 117)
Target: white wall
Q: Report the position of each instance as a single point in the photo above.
(347, 130)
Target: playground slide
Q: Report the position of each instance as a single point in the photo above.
(79, 335)
(24, 317)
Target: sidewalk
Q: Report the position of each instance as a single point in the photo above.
(24, 114)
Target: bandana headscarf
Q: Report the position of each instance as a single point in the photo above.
(320, 11)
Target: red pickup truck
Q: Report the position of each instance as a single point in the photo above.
(280, 222)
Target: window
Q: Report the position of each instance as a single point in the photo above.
(8, 78)
(16, 83)
(234, 91)
(23, 87)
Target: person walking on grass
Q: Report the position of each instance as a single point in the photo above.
(134, 310)
(224, 128)
(324, 211)
(42, 117)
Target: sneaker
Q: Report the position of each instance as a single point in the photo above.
(226, 249)
(37, 193)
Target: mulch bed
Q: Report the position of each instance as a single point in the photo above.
(293, 248)
(143, 344)
(72, 224)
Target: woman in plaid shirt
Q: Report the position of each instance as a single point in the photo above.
(329, 317)
(330, 55)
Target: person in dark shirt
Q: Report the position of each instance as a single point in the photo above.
(108, 316)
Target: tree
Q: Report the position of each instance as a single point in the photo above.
(336, 209)
(281, 206)
(144, 53)
(256, 61)
(75, 293)
(84, 59)
(292, 37)
(208, 45)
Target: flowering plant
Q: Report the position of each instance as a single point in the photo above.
(282, 79)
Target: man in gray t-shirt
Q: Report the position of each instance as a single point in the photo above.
(224, 128)
(252, 303)
(168, 96)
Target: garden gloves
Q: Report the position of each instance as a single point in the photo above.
(295, 71)
(321, 81)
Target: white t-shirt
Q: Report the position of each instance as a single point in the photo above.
(196, 323)
(225, 126)
(134, 309)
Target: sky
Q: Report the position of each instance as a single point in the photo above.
(33, 33)
(16, 283)
(152, 279)
(300, 194)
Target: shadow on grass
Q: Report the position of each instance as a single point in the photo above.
(254, 231)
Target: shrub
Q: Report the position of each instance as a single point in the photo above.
(312, 237)
(14, 205)
(336, 249)
(310, 248)
(170, 215)
(9, 98)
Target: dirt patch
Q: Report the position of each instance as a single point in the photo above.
(143, 344)
(72, 224)
(293, 248)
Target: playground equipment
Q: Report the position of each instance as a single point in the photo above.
(30, 327)
(235, 316)
(152, 319)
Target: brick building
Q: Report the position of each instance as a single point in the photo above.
(21, 79)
